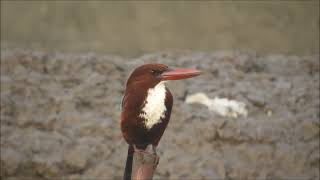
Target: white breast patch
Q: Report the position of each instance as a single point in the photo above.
(154, 108)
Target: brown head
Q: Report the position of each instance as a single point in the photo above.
(149, 75)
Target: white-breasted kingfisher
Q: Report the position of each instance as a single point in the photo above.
(147, 105)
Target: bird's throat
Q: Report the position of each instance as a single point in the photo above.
(154, 107)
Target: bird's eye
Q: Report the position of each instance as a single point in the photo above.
(156, 72)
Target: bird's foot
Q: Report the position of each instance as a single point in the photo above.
(149, 155)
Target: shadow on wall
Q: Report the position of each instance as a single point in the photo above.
(133, 28)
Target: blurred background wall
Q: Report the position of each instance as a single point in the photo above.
(60, 112)
(134, 28)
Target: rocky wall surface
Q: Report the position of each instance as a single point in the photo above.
(60, 116)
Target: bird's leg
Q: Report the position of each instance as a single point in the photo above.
(156, 156)
(149, 149)
(154, 149)
(135, 148)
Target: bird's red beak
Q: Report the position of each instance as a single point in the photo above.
(176, 74)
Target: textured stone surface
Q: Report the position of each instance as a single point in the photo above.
(60, 116)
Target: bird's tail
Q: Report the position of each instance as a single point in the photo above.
(128, 170)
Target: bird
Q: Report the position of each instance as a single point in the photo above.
(146, 107)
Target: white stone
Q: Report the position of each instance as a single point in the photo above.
(221, 106)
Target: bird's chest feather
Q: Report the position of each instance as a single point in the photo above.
(154, 106)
